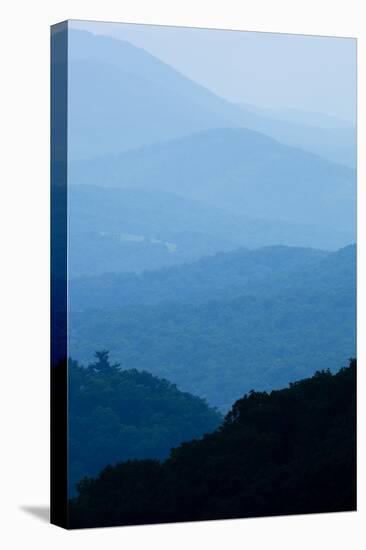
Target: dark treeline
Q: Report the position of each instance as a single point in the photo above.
(290, 451)
(117, 414)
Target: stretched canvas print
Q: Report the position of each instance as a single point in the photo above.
(203, 317)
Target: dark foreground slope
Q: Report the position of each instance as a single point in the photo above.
(291, 451)
(117, 414)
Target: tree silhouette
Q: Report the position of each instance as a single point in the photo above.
(103, 365)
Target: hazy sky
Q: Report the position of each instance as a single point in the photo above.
(265, 69)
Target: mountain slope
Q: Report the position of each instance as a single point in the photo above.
(223, 276)
(119, 414)
(238, 170)
(313, 132)
(121, 97)
(135, 99)
(288, 452)
(122, 230)
(221, 349)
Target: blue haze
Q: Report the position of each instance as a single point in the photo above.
(211, 225)
(187, 145)
(270, 70)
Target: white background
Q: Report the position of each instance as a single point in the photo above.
(24, 272)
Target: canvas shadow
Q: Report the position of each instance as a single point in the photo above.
(40, 512)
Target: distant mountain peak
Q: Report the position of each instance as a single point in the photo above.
(137, 99)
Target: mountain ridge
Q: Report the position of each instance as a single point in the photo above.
(223, 275)
(239, 170)
(124, 229)
(220, 348)
(119, 65)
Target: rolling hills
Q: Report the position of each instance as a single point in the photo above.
(223, 276)
(238, 170)
(121, 97)
(282, 320)
(131, 230)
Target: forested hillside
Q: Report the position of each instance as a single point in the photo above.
(262, 272)
(224, 326)
(291, 451)
(119, 414)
